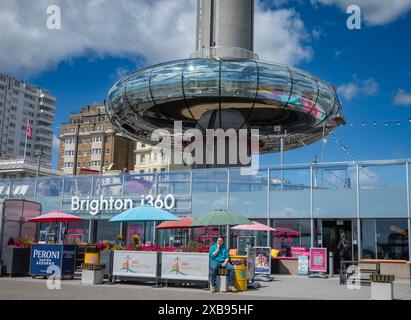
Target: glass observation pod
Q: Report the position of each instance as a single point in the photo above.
(207, 93)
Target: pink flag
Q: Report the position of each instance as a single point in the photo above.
(29, 134)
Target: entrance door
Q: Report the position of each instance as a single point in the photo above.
(331, 236)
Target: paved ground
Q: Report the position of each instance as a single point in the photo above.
(284, 287)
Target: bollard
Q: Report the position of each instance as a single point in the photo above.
(331, 264)
(382, 287)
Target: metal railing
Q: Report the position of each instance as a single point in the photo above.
(225, 52)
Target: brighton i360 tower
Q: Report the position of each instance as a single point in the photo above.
(226, 24)
(225, 85)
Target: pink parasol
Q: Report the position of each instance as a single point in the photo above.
(255, 226)
(55, 217)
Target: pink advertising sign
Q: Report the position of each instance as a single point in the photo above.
(299, 251)
(318, 259)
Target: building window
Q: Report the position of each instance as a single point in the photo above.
(291, 233)
(385, 239)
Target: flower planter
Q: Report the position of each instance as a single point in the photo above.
(16, 261)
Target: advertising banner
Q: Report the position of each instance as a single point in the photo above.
(139, 264)
(318, 259)
(185, 266)
(303, 265)
(262, 260)
(69, 260)
(43, 256)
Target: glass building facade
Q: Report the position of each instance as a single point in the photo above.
(239, 94)
(308, 205)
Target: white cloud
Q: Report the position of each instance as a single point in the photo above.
(157, 31)
(402, 98)
(349, 91)
(375, 12)
(281, 36)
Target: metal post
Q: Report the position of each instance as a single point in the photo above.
(191, 193)
(322, 144)
(359, 246)
(282, 161)
(331, 264)
(407, 175)
(268, 207)
(312, 209)
(62, 195)
(228, 208)
(39, 153)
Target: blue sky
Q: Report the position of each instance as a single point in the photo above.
(371, 67)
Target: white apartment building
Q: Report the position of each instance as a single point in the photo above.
(150, 160)
(20, 101)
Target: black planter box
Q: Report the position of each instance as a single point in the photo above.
(16, 261)
(106, 258)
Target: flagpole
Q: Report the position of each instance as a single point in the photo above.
(25, 144)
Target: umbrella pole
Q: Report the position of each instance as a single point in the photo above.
(144, 241)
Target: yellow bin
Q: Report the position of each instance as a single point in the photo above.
(92, 255)
(240, 272)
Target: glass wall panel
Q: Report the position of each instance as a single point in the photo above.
(79, 186)
(5, 188)
(291, 233)
(138, 185)
(77, 232)
(108, 185)
(107, 230)
(383, 191)
(248, 193)
(392, 239)
(209, 191)
(137, 228)
(334, 194)
(368, 239)
(290, 193)
(23, 188)
(49, 193)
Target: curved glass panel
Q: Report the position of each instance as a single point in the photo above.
(304, 92)
(238, 79)
(325, 101)
(201, 78)
(166, 82)
(274, 83)
(115, 97)
(137, 87)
